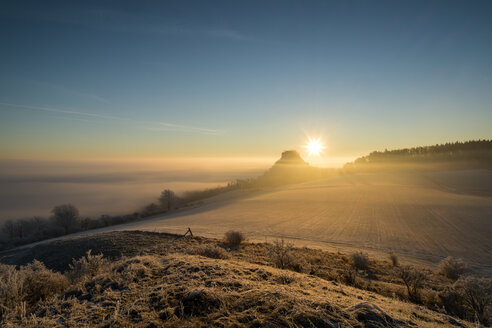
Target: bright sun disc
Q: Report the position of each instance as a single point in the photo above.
(314, 146)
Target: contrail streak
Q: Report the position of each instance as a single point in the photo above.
(156, 125)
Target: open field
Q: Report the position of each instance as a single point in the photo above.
(422, 216)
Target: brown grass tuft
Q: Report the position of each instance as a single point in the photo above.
(212, 251)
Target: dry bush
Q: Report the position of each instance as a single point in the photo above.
(299, 264)
(40, 283)
(234, 238)
(11, 289)
(476, 293)
(86, 267)
(22, 289)
(211, 251)
(394, 259)
(360, 261)
(285, 278)
(413, 280)
(281, 254)
(452, 302)
(349, 277)
(452, 267)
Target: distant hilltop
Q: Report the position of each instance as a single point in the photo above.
(290, 157)
(291, 168)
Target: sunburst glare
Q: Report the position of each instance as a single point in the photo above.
(314, 146)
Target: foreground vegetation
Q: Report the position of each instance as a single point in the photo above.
(150, 280)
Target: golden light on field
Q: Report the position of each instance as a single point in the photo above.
(314, 146)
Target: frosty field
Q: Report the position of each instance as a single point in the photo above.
(422, 216)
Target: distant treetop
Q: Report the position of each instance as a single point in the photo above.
(468, 151)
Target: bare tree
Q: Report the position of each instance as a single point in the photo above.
(477, 294)
(66, 216)
(10, 227)
(168, 200)
(413, 280)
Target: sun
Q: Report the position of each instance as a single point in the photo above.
(314, 146)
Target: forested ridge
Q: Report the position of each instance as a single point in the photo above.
(473, 151)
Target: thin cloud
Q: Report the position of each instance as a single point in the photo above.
(117, 21)
(71, 91)
(149, 125)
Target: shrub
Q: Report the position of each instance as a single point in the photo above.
(281, 254)
(299, 264)
(360, 261)
(234, 238)
(285, 278)
(11, 289)
(452, 302)
(349, 277)
(413, 280)
(40, 282)
(476, 294)
(394, 259)
(211, 251)
(87, 266)
(452, 267)
(22, 289)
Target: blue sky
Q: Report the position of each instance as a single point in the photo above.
(95, 79)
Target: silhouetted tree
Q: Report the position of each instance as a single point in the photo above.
(168, 200)
(66, 216)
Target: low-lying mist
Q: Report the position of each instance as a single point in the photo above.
(32, 188)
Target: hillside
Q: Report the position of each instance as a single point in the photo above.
(199, 282)
(424, 217)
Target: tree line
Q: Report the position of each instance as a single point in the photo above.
(474, 151)
(66, 219)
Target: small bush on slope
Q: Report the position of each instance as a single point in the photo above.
(283, 257)
(452, 267)
(394, 259)
(360, 261)
(234, 238)
(87, 266)
(476, 294)
(413, 280)
(281, 254)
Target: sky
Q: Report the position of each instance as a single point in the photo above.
(192, 79)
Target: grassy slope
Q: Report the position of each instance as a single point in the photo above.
(166, 286)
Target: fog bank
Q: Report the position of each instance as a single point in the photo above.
(33, 187)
